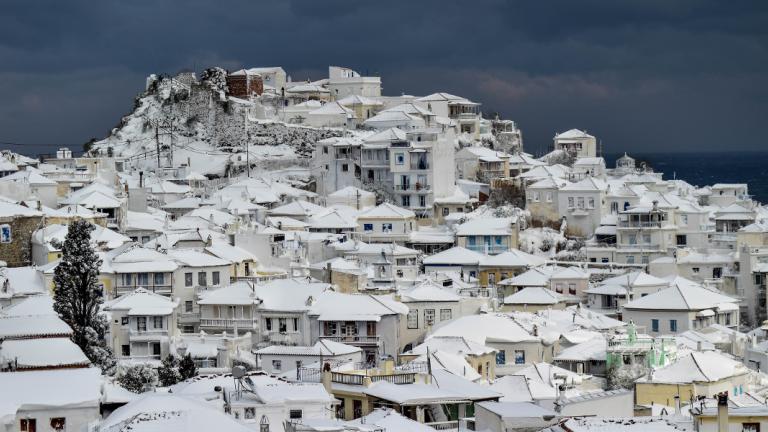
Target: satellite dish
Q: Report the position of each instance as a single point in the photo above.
(238, 372)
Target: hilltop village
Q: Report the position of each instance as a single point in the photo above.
(275, 255)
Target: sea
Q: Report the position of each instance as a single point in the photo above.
(701, 169)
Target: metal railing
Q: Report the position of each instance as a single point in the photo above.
(353, 339)
(486, 248)
(229, 323)
(444, 425)
(639, 224)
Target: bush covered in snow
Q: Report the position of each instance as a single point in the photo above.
(138, 378)
(624, 376)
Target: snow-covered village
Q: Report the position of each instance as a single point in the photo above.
(248, 252)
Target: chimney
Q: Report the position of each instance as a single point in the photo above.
(678, 411)
(722, 411)
(326, 377)
(141, 179)
(699, 346)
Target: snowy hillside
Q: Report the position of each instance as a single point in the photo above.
(194, 121)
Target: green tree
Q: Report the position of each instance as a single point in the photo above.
(168, 372)
(77, 295)
(187, 368)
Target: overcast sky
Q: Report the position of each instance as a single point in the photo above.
(641, 75)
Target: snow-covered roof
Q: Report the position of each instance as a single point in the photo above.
(139, 260)
(386, 136)
(454, 256)
(428, 291)
(193, 258)
(352, 100)
(332, 306)
(56, 352)
(683, 297)
(8, 209)
(49, 389)
(573, 134)
(390, 420)
(26, 326)
(230, 253)
(386, 211)
(142, 302)
(592, 349)
(153, 412)
(534, 296)
(324, 347)
(452, 344)
(502, 226)
(483, 329)
(705, 366)
(512, 258)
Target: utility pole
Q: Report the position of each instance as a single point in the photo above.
(157, 144)
(247, 147)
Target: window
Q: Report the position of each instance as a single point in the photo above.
(141, 323)
(142, 279)
(367, 227)
(536, 196)
(632, 239)
(445, 314)
(695, 270)
(28, 425)
(422, 201)
(268, 324)
(673, 326)
(188, 306)
(559, 287)
(644, 259)
(406, 200)
(413, 319)
(399, 158)
(386, 227)
(604, 260)
(277, 365)
(295, 414)
(549, 196)
(501, 357)
(445, 211)
(591, 203)
(157, 322)
(630, 259)
(187, 279)
(684, 219)
(572, 288)
(58, 423)
(750, 427)
(519, 357)
(282, 325)
(124, 320)
(295, 324)
(249, 413)
(344, 167)
(370, 328)
(655, 325)
(429, 317)
(216, 278)
(144, 239)
(125, 350)
(580, 202)
(682, 239)
(202, 279)
(159, 279)
(325, 149)
(570, 202)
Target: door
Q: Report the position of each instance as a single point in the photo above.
(156, 349)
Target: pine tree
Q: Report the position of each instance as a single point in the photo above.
(138, 378)
(168, 372)
(77, 295)
(187, 367)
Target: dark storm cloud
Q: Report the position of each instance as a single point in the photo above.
(642, 75)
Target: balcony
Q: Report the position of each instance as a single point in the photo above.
(488, 249)
(639, 246)
(637, 224)
(415, 187)
(189, 317)
(229, 323)
(354, 339)
(444, 425)
(157, 289)
(149, 332)
(724, 237)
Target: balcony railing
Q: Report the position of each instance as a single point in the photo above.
(359, 379)
(354, 339)
(486, 248)
(444, 425)
(229, 323)
(638, 224)
(148, 332)
(413, 187)
(645, 246)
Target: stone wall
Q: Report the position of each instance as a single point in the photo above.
(18, 252)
